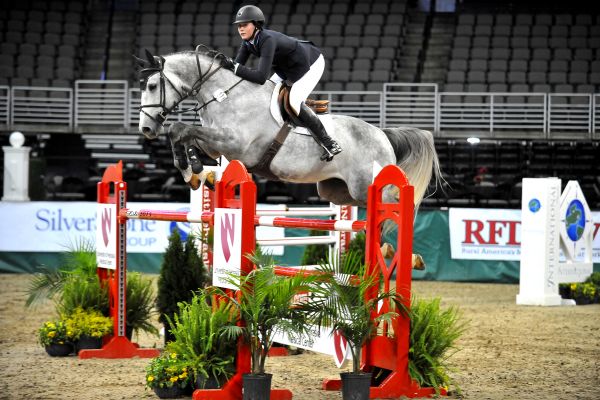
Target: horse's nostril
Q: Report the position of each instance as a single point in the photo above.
(145, 130)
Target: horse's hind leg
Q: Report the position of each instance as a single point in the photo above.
(336, 191)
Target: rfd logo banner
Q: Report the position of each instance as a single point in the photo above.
(495, 234)
(485, 234)
(106, 236)
(227, 250)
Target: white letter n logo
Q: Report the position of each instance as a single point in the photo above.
(227, 234)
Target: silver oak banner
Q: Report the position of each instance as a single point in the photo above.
(494, 234)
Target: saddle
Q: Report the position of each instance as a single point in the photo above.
(318, 106)
(288, 115)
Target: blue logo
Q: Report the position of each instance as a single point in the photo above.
(534, 205)
(575, 220)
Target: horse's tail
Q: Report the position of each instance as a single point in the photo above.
(416, 155)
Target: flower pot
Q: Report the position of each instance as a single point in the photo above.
(88, 342)
(172, 392)
(355, 386)
(207, 383)
(256, 386)
(59, 349)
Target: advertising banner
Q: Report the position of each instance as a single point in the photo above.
(495, 234)
(52, 226)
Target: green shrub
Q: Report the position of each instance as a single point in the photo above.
(181, 274)
(80, 291)
(79, 260)
(433, 335)
(198, 330)
(139, 304)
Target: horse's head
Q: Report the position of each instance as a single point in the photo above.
(162, 90)
(166, 81)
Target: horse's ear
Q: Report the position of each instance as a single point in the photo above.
(140, 62)
(150, 57)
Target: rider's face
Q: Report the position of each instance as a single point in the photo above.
(246, 30)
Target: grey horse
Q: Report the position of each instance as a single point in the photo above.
(238, 124)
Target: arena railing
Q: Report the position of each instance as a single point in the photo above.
(596, 118)
(101, 103)
(112, 106)
(410, 104)
(570, 112)
(41, 105)
(491, 112)
(4, 105)
(366, 105)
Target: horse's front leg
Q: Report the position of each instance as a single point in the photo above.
(187, 158)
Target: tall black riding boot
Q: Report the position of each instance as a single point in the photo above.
(310, 120)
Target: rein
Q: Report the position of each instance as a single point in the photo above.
(161, 117)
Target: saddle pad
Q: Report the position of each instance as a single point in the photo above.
(326, 119)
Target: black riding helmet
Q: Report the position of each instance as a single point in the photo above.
(249, 14)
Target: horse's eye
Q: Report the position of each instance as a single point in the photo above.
(151, 86)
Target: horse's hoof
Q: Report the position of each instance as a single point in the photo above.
(194, 182)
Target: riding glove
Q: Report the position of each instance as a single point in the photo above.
(228, 63)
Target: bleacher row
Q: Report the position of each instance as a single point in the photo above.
(40, 42)
(525, 52)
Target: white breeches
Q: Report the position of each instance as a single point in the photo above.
(305, 85)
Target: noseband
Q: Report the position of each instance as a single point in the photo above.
(158, 67)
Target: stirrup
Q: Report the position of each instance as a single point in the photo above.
(329, 153)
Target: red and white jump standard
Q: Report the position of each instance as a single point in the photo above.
(237, 191)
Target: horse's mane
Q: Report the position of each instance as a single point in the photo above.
(200, 49)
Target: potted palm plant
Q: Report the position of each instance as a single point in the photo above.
(339, 300)
(264, 303)
(200, 342)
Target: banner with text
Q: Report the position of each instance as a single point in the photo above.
(494, 234)
(52, 226)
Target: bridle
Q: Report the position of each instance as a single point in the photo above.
(158, 67)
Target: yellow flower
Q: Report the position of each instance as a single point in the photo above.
(173, 355)
(150, 378)
(573, 286)
(51, 334)
(51, 325)
(183, 375)
(174, 379)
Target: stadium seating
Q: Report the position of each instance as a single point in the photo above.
(40, 42)
(524, 50)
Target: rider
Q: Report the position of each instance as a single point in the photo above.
(296, 61)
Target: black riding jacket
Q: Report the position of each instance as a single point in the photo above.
(290, 58)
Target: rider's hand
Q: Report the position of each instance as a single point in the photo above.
(228, 63)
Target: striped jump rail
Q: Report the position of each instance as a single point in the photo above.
(279, 222)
